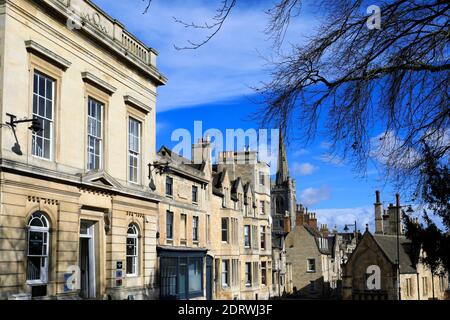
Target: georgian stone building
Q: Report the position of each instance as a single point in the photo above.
(214, 229)
(385, 266)
(241, 203)
(77, 218)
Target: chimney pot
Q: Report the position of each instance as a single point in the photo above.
(378, 196)
(397, 196)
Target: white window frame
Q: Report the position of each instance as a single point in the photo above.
(308, 265)
(225, 273)
(99, 121)
(195, 228)
(134, 257)
(248, 274)
(247, 235)
(45, 230)
(42, 119)
(134, 152)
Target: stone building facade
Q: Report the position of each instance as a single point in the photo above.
(77, 218)
(385, 266)
(214, 231)
(315, 255)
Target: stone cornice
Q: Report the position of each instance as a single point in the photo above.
(51, 175)
(37, 49)
(103, 85)
(62, 9)
(135, 103)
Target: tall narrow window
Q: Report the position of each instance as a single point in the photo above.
(263, 273)
(183, 227)
(248, 274)
(262, 208)
(43, 109)
(169, 186)
(224, 229)
(95, 135)
(225, 273)
(134, 149)
(208, 228)
(263, 238)
(194, 194)
(38, 241)
(132, 250)
(195, 228)
(169, 225)
(247, 239)
(261, 178)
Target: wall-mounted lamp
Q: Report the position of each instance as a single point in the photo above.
(163, 168)
(36, 127)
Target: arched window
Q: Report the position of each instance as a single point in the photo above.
(37, 253)
(132, 250)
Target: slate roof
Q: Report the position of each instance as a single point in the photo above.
(316, 234)
(388, 244)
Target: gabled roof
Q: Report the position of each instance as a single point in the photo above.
(182, 165)
(388, 244)
(317, 236)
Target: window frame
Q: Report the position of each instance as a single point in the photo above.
(171, 214)
(195, 228)
(308, 265)
(44, 267)
(262, 232)
(135, 257)
(168, 178)
(247, 237)
(226, 230)
(98, 102)
(34, 135)
(248, 274)
(225, 273)
(194, 194)
(137, 155)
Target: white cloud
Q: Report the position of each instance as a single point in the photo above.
(331, 159)
(341, 217)
(325, 145)
(227, 67)
(303, 169)
(301, 152)
(312, 196)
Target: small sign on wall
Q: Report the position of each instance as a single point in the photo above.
(119, 273)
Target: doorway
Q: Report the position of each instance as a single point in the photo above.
(87, 260)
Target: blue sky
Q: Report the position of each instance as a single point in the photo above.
(213, 84)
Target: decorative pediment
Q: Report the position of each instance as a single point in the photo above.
(101, 179)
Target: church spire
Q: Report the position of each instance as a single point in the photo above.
(283, 169)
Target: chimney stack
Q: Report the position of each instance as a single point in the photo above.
(287, 224)
(313, 221)
(378, 214)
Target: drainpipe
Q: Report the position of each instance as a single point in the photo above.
(418, 286)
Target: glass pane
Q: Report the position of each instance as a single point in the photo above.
(49, 93)
(49, 110)
(34, 268)
(41, 86)
(35, 243)
(195, 275)
(130, 265)
(41, 107)
(35, 84)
